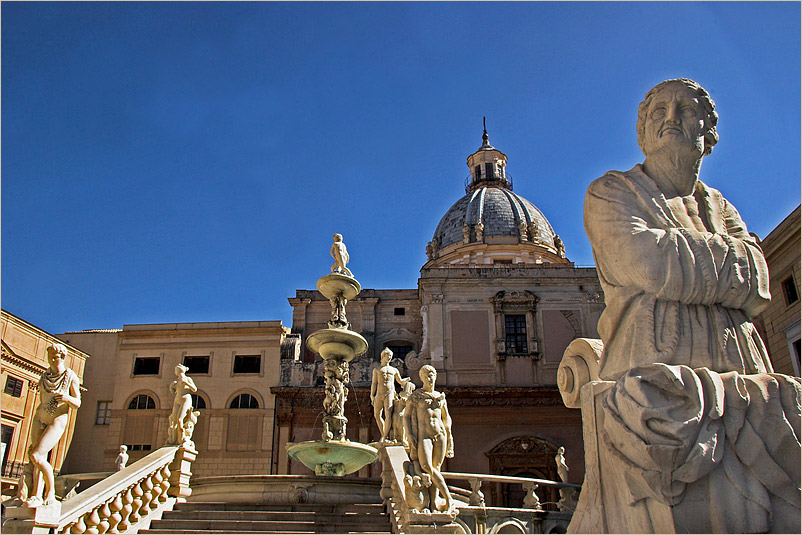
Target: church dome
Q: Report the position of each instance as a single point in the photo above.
(491, 223)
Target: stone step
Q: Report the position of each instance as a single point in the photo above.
(294, 507)
(275, 526)
(306, 516)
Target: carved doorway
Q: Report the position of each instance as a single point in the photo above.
(523, 456)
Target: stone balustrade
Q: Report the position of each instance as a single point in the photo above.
(126, 501)
(474, 516)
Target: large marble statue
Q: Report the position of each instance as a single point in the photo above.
(182, 420)
(59, 392)
(382, 393)
(696, 434)
(428, 428)
(340, 255)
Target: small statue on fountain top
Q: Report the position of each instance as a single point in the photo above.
(340, 255)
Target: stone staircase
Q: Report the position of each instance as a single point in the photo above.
(217, 517)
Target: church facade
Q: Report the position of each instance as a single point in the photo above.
(497, 303)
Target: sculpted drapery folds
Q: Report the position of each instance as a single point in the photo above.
(682, 277)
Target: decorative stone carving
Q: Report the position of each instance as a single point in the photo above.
(559, 245)
(122, 458)
(522, 230)
(336, 374)
(58, 393)
(429, 251)
(340, 255)
(562, 468)
(466, 233)
(534, 231)
(689, 425)
(428, 429)
(183, 418)
(382, 393)
(479, 229)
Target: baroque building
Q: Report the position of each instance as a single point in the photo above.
(780, 321)
(497, 303)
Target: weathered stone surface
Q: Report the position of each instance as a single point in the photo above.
(689, 431)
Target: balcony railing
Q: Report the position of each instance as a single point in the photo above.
(506, 179)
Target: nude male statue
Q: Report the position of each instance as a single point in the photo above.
(340, 255)
(59, 392)
(428, 428)
(382, 393)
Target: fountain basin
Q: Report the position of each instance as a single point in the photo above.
(337, 343)
(334, 458)
(338, 284)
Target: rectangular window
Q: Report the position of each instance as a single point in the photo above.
(138, 447)
(247, 363)
(502, 261)
(6, 434)
(146, 365)
(515, 333)
(103, 414)
(399, 311)
(789, 289)
(13, 387)
(489, 170)
(197, 365)
(478, 172)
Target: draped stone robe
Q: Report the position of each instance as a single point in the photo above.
(682, 278)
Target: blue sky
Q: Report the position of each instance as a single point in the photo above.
(175, 162)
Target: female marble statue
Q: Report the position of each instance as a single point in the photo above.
(183, 388)
(59, 392)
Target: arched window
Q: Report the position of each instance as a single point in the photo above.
(198, 402)
(244, 401)
(142, 402)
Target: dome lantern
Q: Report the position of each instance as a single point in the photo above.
(488, 166)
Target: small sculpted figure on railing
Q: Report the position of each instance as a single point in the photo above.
(122, 458)
(59, 392)
(183, 418)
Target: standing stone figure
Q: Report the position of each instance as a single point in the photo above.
(562, 468)
(59, 392)
(428, 428)
(696, 423)
(340, 255)
(122, 457)
(382, 393)
(397, 431)
(183, 388)
(559, 245)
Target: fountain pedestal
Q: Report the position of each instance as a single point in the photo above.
(335, 455)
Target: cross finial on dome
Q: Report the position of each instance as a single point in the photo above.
(485, 138)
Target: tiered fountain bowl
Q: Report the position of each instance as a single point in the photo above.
(335, 455)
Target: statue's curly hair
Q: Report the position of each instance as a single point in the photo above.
(711, 117)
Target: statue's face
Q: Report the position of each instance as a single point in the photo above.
(675, 120)
(386, 356)
(429, 377)
(54, 357)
